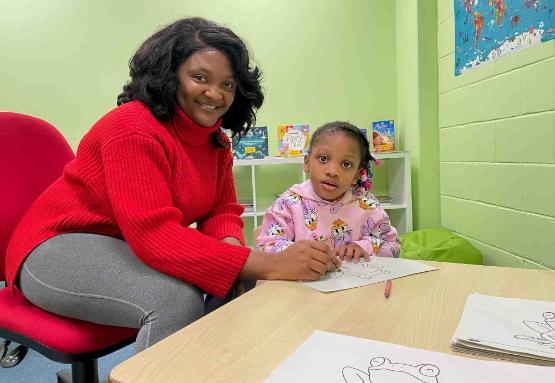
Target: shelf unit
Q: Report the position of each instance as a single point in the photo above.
(398, 186)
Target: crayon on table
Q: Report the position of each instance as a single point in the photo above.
(387, 291)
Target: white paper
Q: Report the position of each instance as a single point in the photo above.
(516, 326)
(328, 357)
(363, 273)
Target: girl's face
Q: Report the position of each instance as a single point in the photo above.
(333, 164)
(206, 86)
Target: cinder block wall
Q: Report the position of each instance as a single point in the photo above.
(497, 151)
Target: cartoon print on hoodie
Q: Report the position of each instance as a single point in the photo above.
(334, 207)
(310, 217)
(288, 198)
(367, 202)
(299, 213)
(340, 233)
(278, 232)
(275, 229)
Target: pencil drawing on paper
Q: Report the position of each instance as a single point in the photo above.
(362, 270)
(368, 270)
(382, 370)
(545, 329)
(336, 274)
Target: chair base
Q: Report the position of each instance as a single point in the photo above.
(80, 372)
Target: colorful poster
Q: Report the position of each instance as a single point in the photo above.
(487, 30)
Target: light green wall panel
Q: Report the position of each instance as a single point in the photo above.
(456, 179)
(450, 111)
(495, 98)
(538, 86)
(534, 144)
(450, 211)
(539, 190)
(445, 38)
(498, 184)
(496, 257)
(444, 9)
(474, 142)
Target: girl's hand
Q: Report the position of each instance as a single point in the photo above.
(351, 251)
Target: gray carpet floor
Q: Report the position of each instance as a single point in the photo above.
(35, 368)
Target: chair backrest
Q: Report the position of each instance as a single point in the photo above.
(32, 156)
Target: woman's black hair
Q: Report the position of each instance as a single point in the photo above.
(154, 79)
(358, 135)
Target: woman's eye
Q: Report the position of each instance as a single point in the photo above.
(347, 164)
(229, 85)
(322, 158)
(199, 77)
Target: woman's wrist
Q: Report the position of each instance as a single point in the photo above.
(231, 240)
(259, 265)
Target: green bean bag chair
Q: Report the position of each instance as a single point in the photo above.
(438, 244)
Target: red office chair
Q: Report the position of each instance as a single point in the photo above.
(32, 155)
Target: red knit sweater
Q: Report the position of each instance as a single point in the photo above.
(145, 181)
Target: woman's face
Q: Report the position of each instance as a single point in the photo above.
(206, 86)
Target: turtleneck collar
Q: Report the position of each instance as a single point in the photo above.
(189, 131)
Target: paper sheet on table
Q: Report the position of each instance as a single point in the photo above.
(517, 329)
(328, 357)
(378, 269)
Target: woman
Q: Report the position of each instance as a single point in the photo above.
(109, 242)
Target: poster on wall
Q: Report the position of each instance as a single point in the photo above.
(488, 30)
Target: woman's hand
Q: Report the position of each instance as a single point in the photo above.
(307, 260)
(351, 251)
(303, 260)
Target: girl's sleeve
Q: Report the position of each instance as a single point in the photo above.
(277, 231)
(225, 218)
(378, 237)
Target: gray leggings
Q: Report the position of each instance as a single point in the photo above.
(98, 279)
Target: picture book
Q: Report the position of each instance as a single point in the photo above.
(383, 136)
(254, 144)
(293, 140)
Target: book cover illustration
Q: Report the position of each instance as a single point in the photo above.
(293, 140)
(383, 136)
(254, 144)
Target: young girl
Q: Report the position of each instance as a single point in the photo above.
(335, 206)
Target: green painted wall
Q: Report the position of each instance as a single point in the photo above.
(66, 61)
(417, 104)
(497, 151)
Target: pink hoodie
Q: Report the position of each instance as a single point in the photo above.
(300, 213)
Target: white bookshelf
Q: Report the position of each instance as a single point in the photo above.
(398, 186)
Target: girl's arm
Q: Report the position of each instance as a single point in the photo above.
(378, 236)
(278, 230)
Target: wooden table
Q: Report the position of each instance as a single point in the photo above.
(247, 339)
